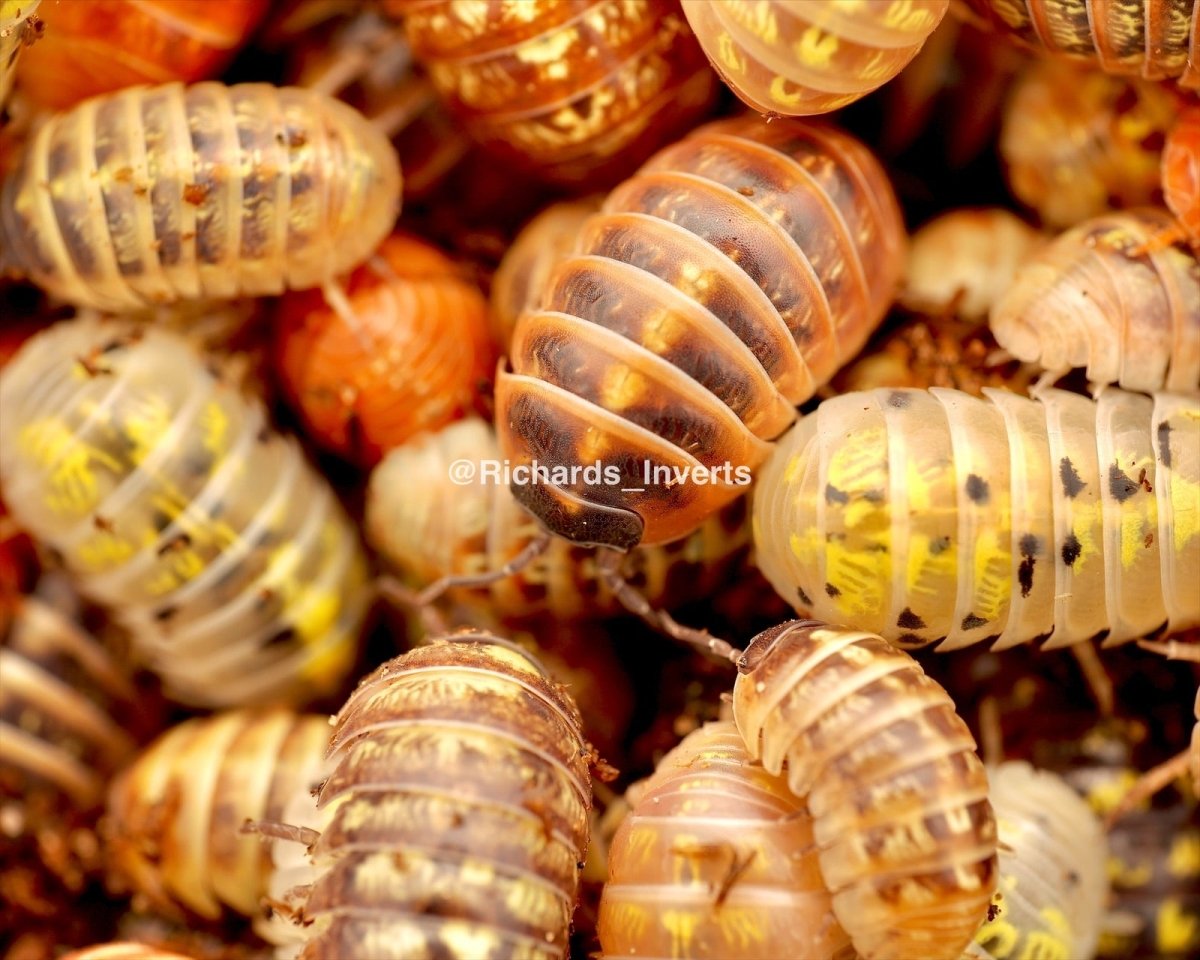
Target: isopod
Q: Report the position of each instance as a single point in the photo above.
(717, 288)
(122, 951)
(430, 521)
(406, 350)
(905, 835)
(105, 45)
(578, 92)
(1076, 143)
(1153, 39)
(454, 820)
(1181, 173)
(19, 27)
(716, 860)
(937, 517)
(791, 58)
(174, 816)
(1107, 297)
(157, 194)
(172, 502)
(1051, 896)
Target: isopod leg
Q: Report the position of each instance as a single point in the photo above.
(1148, 784)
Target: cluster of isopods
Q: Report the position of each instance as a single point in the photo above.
(421, 420)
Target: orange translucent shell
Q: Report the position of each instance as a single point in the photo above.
(409, 356)
(717, 288)
(1181, 172)
(576, 90)
(796, 58)
(99, 46)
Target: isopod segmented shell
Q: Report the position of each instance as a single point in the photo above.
(173, 503)
(716, 859)
(1106, 297)
(936, 516)
(717, 288)
(156, 194)
(905, 836)
(454, 820)
(174, 816)
(793, 58)
(1150, 38)
(18, 27)
(1051, 895)
(429, 523)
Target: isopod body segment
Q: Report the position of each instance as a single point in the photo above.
(795, 58)
(716, 289)
(905, 836)
(458, 777)
(173, 503)
(938, 517)
(155, 194)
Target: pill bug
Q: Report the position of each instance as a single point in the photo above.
(1153, 39)
(1076, 143)
(525, 271)
(1107, 297)
(1181, 173)
(407, 350)
(1051, 895)
(173, 817)
(156, 194)
(90, 47)
(19, 27)
(794, 58)
(172, 502)
(579, 92)
(122, 951)
(905, 836)
(715, 290)
(716, 859)
(428, 522)
(936, 517)
(454, 820)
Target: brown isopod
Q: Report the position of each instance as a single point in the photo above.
(716, 860)
(1107, 296)
(905, 835)
(717, 288)
(174, 816)
(791, 58)
(430, 520)
(454, 819)
(155, 194)
(1149, 38)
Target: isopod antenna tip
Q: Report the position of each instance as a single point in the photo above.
(609, 569)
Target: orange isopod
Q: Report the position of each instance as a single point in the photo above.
(1181, 173)
(792, 58)
(717, 288)
(157, 194)
(105, 45)
(905, 835)
(405, 351)
(576, 90)
(1151, 38)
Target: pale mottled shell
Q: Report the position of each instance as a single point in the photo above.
(1089, 299)
(899, 799)
(938, 517)
(795, 58)
(711, 824)
(173, 503)
(457, 775)
(156, 194)
(1053, 887)
(174, 816)
(427, 525)
(122, 951)
(14, 21)
(965, 260)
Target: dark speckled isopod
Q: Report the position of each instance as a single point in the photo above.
(155, 194)
(938, 517)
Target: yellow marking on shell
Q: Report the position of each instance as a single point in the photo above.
(681, 925)
(1176, 929)
(758, 17)
(1183, 859)
(815, 47)
(1104, 797)
(906, 15)
(148, 420)
(621, 387)
(547, 50)
(214, 428)
(729, 55)
(740, 926)
(1000, 937)
(859, 575)
(662, 331)
(1088, 528)
(104, 550)
(1129, 876)
(1185, 511)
